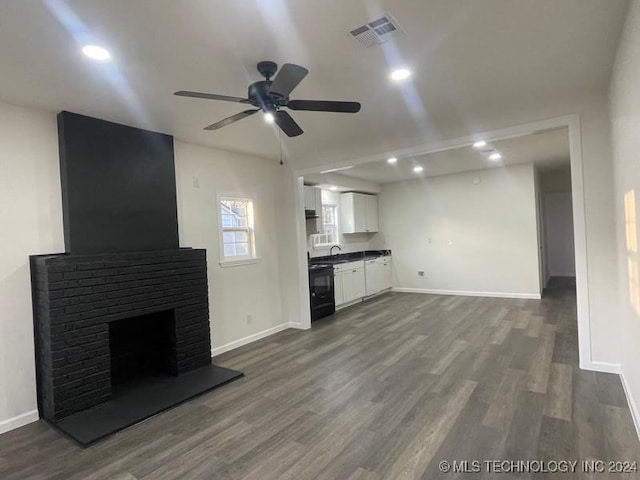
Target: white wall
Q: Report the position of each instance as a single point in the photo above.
(560, 253)
(625, 122)
(355, 242)
(465, 237)
(238, 291)
(31, 219)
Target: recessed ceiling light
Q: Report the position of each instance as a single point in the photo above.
(333, 187)
(95, 52)
(418, 169)
(480, 144)
(392, 160)
(400, 74)
(495, 156)
(269, 118)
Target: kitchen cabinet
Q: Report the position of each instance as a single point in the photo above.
(337, 286)
(371, 204)
(349, 282)
(313, 201)
(378, 274)
(359, 213)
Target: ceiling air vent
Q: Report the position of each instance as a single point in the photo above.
(376, 31)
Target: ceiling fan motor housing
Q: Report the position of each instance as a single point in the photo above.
(259, 96)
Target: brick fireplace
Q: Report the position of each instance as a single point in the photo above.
(79, 299)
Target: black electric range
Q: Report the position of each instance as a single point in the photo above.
(321, 291)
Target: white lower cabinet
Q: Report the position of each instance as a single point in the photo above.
(337, 287)
(378, 274)
(349, 282)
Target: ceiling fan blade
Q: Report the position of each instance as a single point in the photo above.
(231, 119)
(287, 124)
(287, 79)
(324, 106)
(210, 96)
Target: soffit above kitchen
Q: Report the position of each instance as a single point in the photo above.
(547, 150)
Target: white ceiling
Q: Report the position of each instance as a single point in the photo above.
(467, 56)
(547, 150)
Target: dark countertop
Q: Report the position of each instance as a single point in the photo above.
(349, 257)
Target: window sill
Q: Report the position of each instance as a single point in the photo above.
(325, 246)
(238, 263)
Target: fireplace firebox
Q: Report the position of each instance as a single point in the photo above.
(142, 346)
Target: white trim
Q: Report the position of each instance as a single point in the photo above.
(251, 229)
(303, 267)
(572, 121)
(603, 367)
(237, 263)
(633, 406)
(348, 304)
(19, 421)
(465, 293)
(298, 325)
(247, 340)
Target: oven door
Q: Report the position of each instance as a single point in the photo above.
(321, 293)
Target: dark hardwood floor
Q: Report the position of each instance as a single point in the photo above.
(384, 390)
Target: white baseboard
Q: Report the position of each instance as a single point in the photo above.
(604, 367)
(19, 421)
(464, 293)
(298, 325)
(348, 304)
(250, 339)
(633, 406)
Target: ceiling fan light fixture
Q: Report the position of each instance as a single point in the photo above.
(269, 117)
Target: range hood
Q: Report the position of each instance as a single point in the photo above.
(309, 214)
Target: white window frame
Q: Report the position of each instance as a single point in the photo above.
(250, 229)
(316, 239)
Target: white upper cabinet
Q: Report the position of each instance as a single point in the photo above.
(359, 213)
(371, 202)
(312, 199)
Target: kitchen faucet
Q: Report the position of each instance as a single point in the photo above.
(331, 249)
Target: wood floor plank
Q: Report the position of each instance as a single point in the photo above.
(559, 392)
(384, 389)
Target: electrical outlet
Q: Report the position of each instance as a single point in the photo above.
(249, 319)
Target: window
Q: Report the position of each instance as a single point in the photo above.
(237, 238)
(329, 227)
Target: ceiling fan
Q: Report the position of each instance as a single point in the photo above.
(270, 96)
